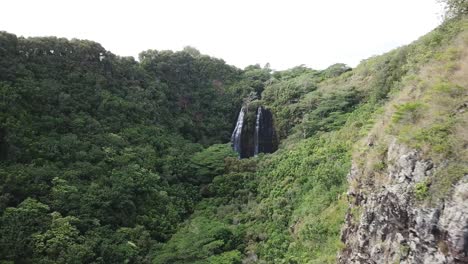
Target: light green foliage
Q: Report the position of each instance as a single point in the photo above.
(230, 257)
(434, 44)
(447, 88)
(404, 250)
(356, 213)
(421, 190)
(17, 226)
(201, 241)
(438, 137)
(432, 126)
(444, 180)
(432, 122)
(408, 112)
(60, 244)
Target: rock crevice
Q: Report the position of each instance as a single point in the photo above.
(387, 224)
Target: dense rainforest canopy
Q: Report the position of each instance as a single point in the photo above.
(105, 159)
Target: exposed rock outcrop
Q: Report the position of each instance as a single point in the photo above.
(387, 224)
(265, 135)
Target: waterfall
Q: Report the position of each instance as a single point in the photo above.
(254, 132)
(237, 133)
(257, 130)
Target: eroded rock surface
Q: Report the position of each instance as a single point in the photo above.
(386, 224)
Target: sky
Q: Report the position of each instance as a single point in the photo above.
(284, 33)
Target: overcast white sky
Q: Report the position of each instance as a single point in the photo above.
(284, 33)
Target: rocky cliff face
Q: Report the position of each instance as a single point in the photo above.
(265, 135)
(385, 223)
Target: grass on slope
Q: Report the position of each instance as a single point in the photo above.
(288, 207)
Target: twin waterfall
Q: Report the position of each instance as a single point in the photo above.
(252, 136)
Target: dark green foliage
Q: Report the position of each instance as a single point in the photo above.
(114, 150)
(61, 243)
(255, 77)
(216, 231)
(196, 92)
(336, 70)
(209, 163)
(233, 187)
(277, 204)
(106, 144)
(17, 227)
(387, 72)
(294, 100)
(104, 159)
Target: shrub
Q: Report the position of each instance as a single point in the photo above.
(453, 90)
(436, 137)
(445, 178)
(407, 113)
(421, 190)
(455, 8)
(209, 163)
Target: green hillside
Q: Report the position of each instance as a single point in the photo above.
(105, 159)
(289, 207)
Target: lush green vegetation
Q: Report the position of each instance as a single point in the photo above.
(426, 111)
(288, 207)
(104, 153)
(104, 159)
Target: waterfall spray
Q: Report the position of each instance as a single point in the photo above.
(257, 130)
(237, 133)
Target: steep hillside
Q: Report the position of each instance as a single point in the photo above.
(289, 207)
(98, 150)
(104, 159)
(409, 179)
